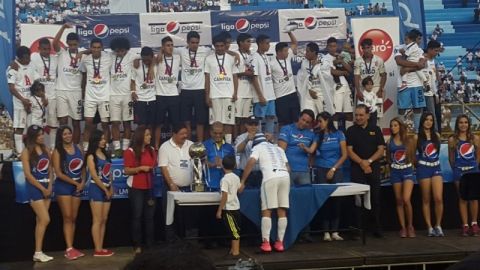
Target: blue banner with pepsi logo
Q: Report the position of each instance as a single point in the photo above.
(411, 14)
(251, 22)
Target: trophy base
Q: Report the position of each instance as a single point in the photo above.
(198, 187)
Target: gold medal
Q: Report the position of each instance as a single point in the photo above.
(221, 76)
(286, 78)
(144, 85)
(96, 80)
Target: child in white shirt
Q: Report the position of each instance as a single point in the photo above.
(371, 100)
(37, 113)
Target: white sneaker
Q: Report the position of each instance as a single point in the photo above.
(41, 257)
(336, 237)
(326, 237)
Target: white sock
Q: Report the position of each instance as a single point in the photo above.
(266, 228)
(18, 138)
(85, 146)
(228, 138)
(38, 252)
(116, 145)
(474, 222)
(125, 144)
(282, 227)
(348, 124)
(52, 136)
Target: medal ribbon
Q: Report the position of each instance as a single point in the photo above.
(46, 68)
(73, 60)
(220, 65)
(266, 63)
(284, 68)
(168, 67)
(193, 61)
(96, 69)
(118, 65)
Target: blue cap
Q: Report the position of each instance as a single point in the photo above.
(259, 138)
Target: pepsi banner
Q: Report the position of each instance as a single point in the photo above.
(251, 22)
(411, 14)
(7, 46)
(106, 28)
(120, 187)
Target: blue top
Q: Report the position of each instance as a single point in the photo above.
(104, 169)
(429, 153)
(216, 174)
(398, 153)
(330, 151)
(73, 164)
(297, 158)
(465, 154)
(41, 170)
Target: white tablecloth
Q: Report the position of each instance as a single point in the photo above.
(213, 198)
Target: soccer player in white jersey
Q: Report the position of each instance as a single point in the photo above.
(286, 103)
(342, 97)
(46, 66)
(121, 105)
(244, 105)
(431, 72)
(192, 96)
(69, 82)
(167, 98)
(369, 65)
(96, 88)
(221, 85)
(264, 95)
(143, 90)
(19, 82)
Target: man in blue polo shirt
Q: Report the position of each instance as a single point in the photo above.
(217, 149)
(298, 141)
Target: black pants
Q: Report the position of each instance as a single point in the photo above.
(373, 180)
(139, 200)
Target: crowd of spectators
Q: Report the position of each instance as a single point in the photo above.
(370, 10)
(183, 5)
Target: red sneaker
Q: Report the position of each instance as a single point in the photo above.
(465, 230)
(70, 254)
(103, 253)
(403, 233)
(475, 230)
(411, 232)
(278, 246)
(265, 247)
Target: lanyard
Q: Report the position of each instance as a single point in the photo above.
(310, 69)
(266, 63)
(96, 69)
(284, 68)
(193, 61)
(41, 107)
(145, 75)
(46, 68)
(243, 56)
(216, 151)
(73, 60)
(220, 65)
(118, 65)
(368, 67)
(168, 67)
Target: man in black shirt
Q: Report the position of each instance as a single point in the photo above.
(365, 146)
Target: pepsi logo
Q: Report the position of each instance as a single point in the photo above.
(242, 25)
(399, 156)
(75, 166)
(382, 43)
(467, 150)
(431, 151)
(310, 22)
(100, 30)
(173, 27)
(42, 165)
(106, 170)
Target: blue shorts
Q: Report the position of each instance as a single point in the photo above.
(262, 111)
(424, 172)
(400, 175)
(457, 173)
(63, 188)
(35, 194)
(411, 97)
(96, 194)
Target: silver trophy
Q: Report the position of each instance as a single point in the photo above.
(198, 152)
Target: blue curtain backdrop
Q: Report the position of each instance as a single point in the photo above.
(7, 47)
(411, 14)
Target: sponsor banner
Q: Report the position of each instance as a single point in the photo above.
(251, 22)
(106, 28)
(120, 187)
(155, 26)
(385, 36)
(7, 47)
(411, 14)
(313, 24)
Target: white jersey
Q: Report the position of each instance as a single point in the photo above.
(37, 112)
(311, 77)
(373, 68)
(121, 73)
(46, 67)
(263, 70)
(245, 87)
(145, 89)
(413, 54)
(167, 76)
(221, 83)
(69, 74)
(22, 79)
(193, 64)
(369, 100)
(272, 160)
(98, 85)
(282, 74)
(328, 60)
(431, 75)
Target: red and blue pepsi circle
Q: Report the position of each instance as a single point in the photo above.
(40, 172)
(465, 159)
(72, 168)
(104, 171)
(398, 156)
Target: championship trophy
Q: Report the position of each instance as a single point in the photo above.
(198, 152)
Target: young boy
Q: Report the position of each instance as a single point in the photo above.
(37, 113)
(229, 208)
(371, 100)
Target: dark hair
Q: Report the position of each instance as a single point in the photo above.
(93, 144)
(177, 127)
(192, 34)
(280, 46)
(330, 126)
(22, 51)
(362, 106)
(137, 143)
(120, 43)
(73, 37)
(402, 130)
(33, 132)
(308, 112)
(312, 46)
(229, 162)
(456, 133)
(166, 39)
(96, 40)
(146, 51)
(44, 41)
(243, 37)
(422, 135)
(225, 35)
(433, 44)
(331, 40)
(367, 80)
(37, 85)
(415, 33)
(366, 42)
(59, 146)
(261, 38)
(218, 39)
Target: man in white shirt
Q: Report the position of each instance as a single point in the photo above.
(264, 95)
(221, 86)
(19, 83)
(96, 88)
(143, 89)
(167, 98)
(431, 72)
(459, 64)
(286, 103)
(244, 105)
